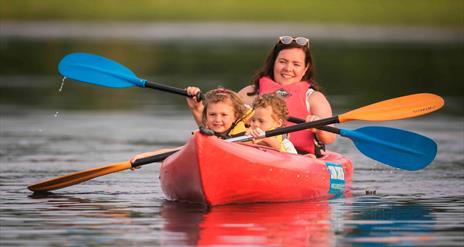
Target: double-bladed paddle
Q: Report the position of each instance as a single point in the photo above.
(395, 147)
(384, 144)
(102, 71)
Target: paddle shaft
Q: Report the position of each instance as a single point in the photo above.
(166, 88)
(152, 159)
(290, 129)
(324, 128)
(169, 89)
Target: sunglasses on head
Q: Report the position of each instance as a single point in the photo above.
(286, 40)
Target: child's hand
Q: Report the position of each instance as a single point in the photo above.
(255, 133)
(193, 102)
(268, 141)
(148, 154)
(139, 156)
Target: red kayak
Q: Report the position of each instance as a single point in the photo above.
(208, 170)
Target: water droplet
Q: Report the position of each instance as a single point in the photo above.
(62, 84)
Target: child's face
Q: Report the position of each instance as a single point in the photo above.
(263, 119)
(219, 117)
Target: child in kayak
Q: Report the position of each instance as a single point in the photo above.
(222, 111)
(270, 112)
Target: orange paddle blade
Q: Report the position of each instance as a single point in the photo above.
(397, 108)
(78, 177)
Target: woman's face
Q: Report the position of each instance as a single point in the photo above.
(289, 66)
(220, 116)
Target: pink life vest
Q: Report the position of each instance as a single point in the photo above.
(295, 97)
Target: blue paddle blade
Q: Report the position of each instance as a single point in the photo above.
(98, 70)
(395, 147)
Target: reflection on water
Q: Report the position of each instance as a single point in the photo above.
(364, 221)
(376, 222)
(280, 224)
(361, 221)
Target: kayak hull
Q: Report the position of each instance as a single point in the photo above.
(211, 171)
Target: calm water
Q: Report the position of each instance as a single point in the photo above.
(46, 133)
(128, 208)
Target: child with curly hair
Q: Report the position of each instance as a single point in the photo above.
(270, 112)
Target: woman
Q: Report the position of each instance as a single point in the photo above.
(290, 72)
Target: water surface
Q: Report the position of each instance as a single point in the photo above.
(128, 208)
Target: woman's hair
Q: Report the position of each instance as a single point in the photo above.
(278, 105)
(225, 96)
(268, 68)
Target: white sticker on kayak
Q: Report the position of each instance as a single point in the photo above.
(337, 178)
(336, 172)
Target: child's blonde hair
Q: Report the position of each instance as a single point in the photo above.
(278, 105)
(224, 95)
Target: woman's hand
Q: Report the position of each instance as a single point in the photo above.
(320, 108)
(323, 136)
(311, 118)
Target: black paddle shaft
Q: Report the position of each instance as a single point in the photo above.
(325, 128)
(169, 89)
(152, 159)
(302, 126)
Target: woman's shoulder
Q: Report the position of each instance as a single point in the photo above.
(319, 104)
(315, 95)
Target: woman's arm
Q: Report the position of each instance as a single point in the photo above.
(320, 108)
(243, 93)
